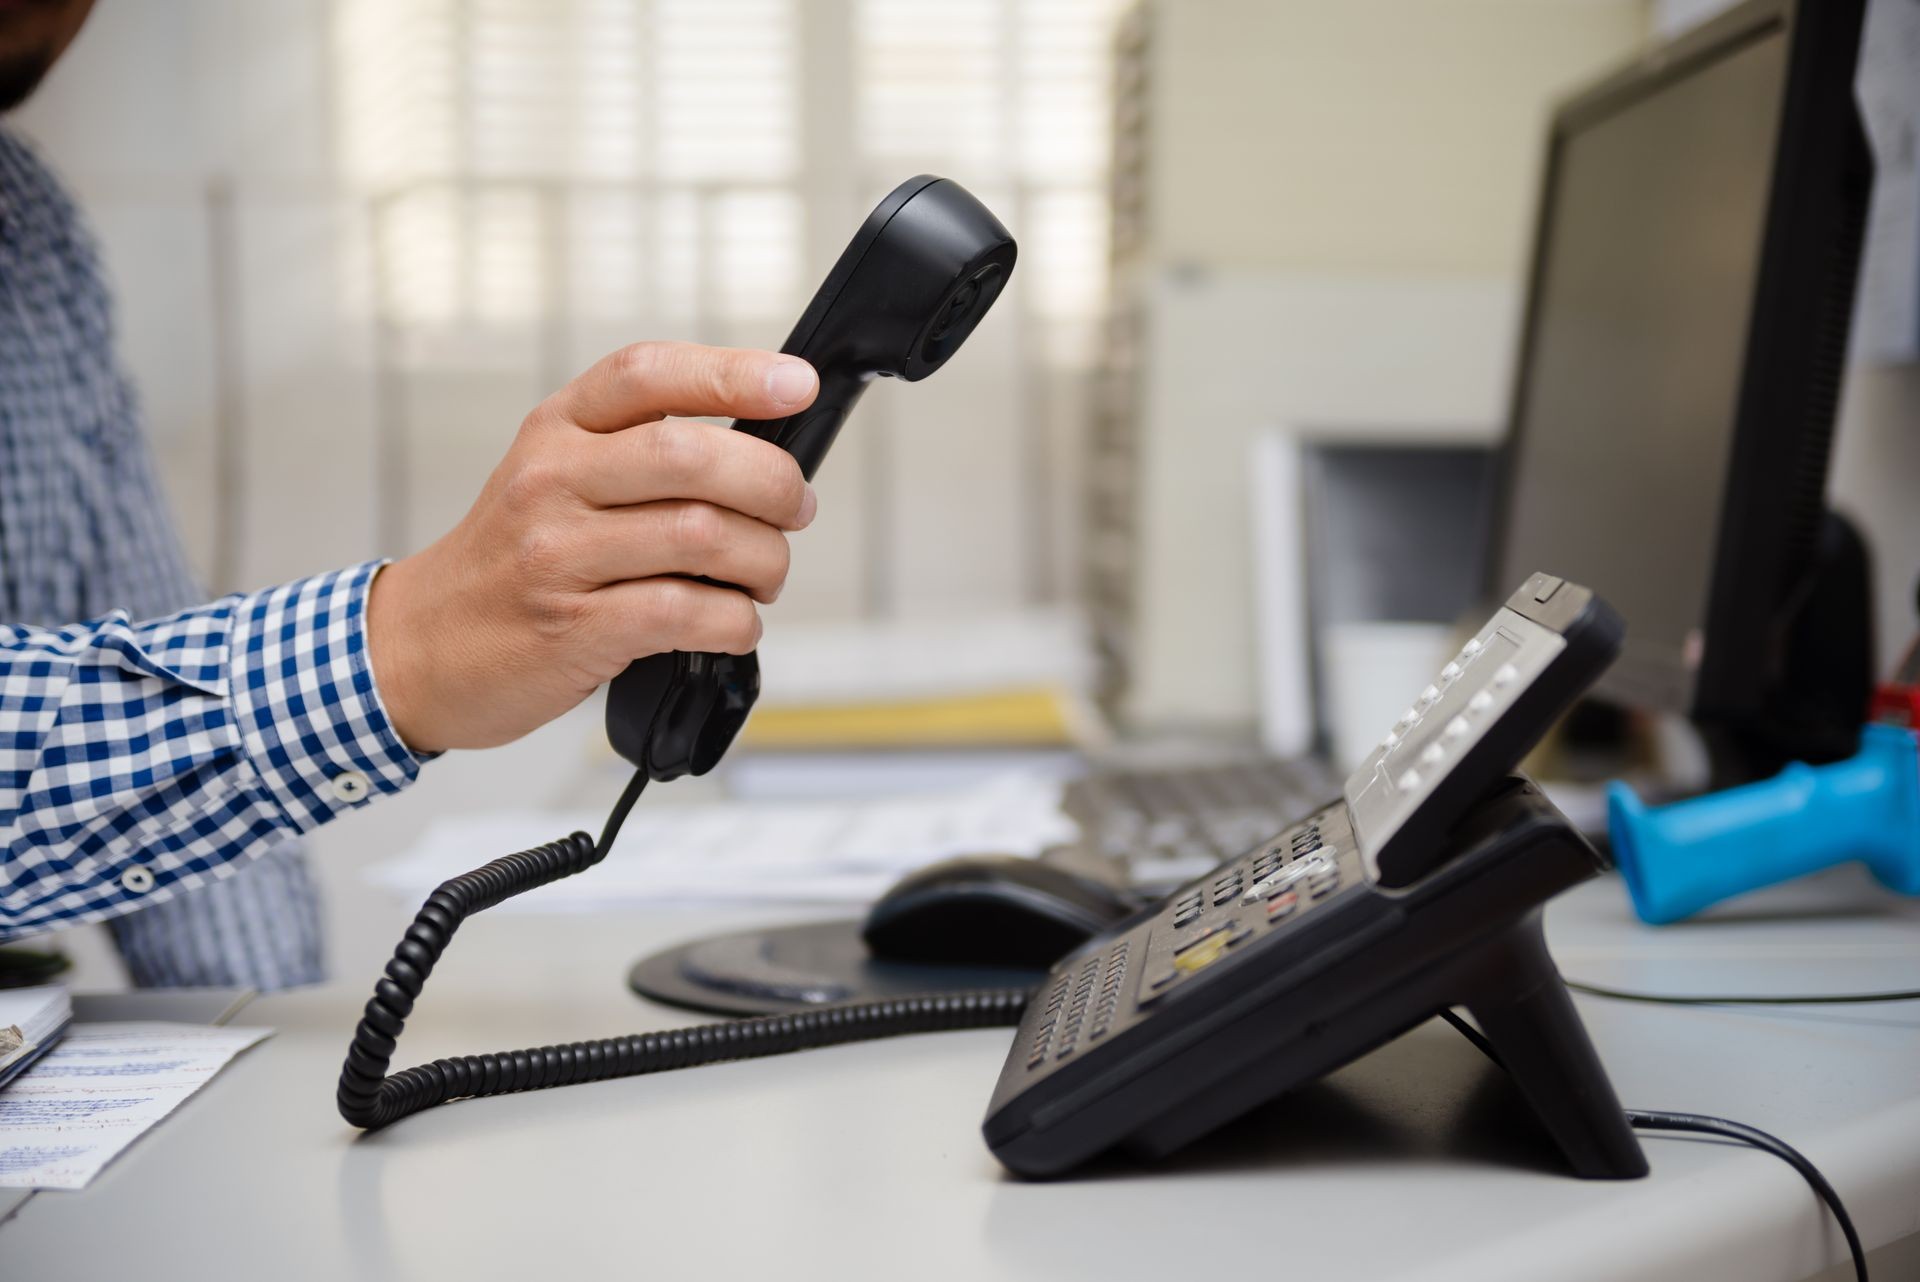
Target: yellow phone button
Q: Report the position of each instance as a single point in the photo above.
(1204, 954)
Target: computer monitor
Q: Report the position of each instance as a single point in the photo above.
(1680, 364)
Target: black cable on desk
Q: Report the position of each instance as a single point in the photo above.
(1648, 1120)
(369, 1097)
(1783, 999)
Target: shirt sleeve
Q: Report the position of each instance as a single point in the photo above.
(138, 760)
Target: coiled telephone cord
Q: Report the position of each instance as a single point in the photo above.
(370, 1097)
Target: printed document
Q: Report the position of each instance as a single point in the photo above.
(101, 1089)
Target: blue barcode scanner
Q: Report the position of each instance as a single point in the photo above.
(1682, 858)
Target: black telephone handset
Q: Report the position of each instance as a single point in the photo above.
(916, 278)
(1420, 889)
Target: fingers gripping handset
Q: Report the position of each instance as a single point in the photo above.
(905, 293)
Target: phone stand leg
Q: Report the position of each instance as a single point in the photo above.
(1529, 1018)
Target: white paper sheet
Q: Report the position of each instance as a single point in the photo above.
(100, 1089)
(827, 851)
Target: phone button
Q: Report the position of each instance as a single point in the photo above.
(1199, 939)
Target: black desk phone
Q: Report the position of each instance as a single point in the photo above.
(1420, 889)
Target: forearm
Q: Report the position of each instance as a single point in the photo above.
(138, 760)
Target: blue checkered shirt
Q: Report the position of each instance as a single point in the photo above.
(155, 760)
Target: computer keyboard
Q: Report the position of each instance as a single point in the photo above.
(1173, 823)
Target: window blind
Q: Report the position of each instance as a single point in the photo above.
(644, 158)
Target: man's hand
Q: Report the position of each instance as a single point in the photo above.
(568, 567)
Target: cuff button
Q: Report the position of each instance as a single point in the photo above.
(136, 880)
(349, 786)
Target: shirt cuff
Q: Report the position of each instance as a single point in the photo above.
(310, 716)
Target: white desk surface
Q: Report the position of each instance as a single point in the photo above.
(866, 1161)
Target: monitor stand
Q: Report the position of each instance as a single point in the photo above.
(1815, 711)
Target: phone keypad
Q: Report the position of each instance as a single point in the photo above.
(1216, 917)
(1079, 1006)
(1209, 921)
(1110, 992)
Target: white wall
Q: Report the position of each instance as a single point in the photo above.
(1370, 136)
(1876, 480)
(1340, 202)
(1876, 464)
(1235, 353)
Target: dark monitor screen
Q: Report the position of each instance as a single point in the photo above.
(1651, 240)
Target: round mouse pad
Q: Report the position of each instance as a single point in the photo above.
(760, 972)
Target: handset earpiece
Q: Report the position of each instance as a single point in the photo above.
(910, 286)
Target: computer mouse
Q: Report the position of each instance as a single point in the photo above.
(991, 910)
